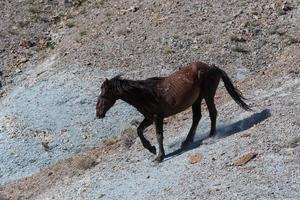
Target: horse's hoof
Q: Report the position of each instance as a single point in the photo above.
(153, 150)
(158, 159)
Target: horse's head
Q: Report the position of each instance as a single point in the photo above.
(106, 99)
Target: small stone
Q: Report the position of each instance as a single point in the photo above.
(133, 9)
(43, 43)
(286, 7)
(245, 158)
(195, 158)
(245, 135)
(21, 61)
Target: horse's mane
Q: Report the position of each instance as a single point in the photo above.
(143, 88)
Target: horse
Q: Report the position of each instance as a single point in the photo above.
(159, 97)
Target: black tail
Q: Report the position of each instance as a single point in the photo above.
(233, 91)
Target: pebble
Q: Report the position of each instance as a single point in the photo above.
(245, 158)
(195, 158)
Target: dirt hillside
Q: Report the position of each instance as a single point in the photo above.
(55, 54)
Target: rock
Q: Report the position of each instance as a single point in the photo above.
(26, 43)
(245, 158)
(195, 158)
(133, 9)
(245, 135)
(46, 146)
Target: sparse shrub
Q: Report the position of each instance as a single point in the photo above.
(280, 12)
(128, 137)
(252, 24)
(51, 44)
(274, 30)
(35, 18)
(235, 38)
(99, 3)
(75, 3)
(292, 40)
(23, 24)
(82, 33)
(195, 48)
(107, 14)
(168, 50)
(85, 163)
(175, 36)
(34, 10)
(2, 34)
(112, 141)
(292, 142)
(70, 24)
(122, 31)
(13, 32)
(134, 122)
(239, 49)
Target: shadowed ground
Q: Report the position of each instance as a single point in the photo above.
(225, 131)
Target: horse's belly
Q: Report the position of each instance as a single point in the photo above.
(181, 102)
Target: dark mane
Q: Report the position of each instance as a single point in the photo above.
(143, 88)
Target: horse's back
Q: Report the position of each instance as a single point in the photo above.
(180, 90)
(155, 79)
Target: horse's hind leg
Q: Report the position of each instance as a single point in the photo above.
(212, 114)
(140, 130)
(210, 88)
(196, 107)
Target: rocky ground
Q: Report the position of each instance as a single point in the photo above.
(55, 54)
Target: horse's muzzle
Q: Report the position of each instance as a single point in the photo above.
(100, 116)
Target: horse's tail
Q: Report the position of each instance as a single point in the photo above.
(233, 91)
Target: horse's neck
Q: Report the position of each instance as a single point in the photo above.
(133, 98)
(126, 94)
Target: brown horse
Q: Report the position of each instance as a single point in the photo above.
(160, 97)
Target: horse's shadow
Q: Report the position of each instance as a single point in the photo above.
(226, 130)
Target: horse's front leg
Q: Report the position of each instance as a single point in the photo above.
(140, 130)
(159, 134)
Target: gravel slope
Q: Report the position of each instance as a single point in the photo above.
(54, 57)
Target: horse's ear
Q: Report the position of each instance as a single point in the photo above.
(118, 76)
